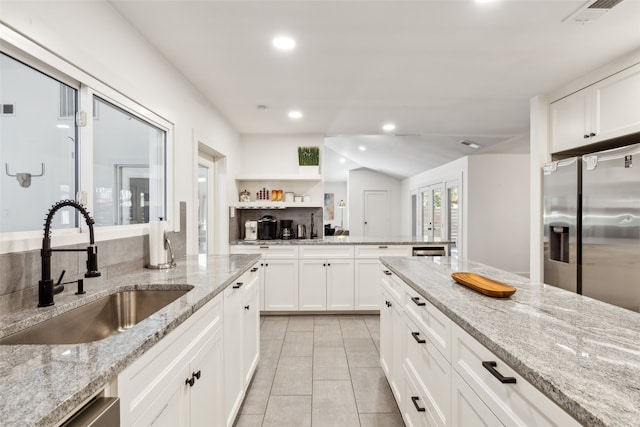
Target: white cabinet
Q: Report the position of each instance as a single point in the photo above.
(326, 277)
(468, 409)
(278, 273)
(167, 382)
(391, 327)
(511, 398)
(448, 373)
(367, 273)
(607, 109)
(241, 340)
(429, 370)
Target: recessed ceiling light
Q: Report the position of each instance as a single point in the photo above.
(295, 114)
(61, 126)
(362, 148)
(261, 107)
(342, 160)
(388, 127)
(484, 1)
(283, 43)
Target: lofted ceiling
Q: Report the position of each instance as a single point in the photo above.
(441, 70)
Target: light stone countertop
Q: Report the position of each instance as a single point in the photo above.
(41, 384)
(346, 240)
(582, 353)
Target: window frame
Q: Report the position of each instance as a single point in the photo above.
(39, 58)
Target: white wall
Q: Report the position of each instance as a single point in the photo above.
(498, 215)
(339, 190)
(94, 38)
(365, 179)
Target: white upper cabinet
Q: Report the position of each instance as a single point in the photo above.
(607, 109)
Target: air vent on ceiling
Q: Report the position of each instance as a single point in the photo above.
(8, 110)
(592, 11)
(469, 144)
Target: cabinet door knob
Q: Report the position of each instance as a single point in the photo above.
(246, 307)
(237, 285)
(592, 134)
(491, 367)
(415, 399)
(416, 336)
(388, 303)
(254, 269)
(586, 136)
(387, 272)
(191, 381)
(197, 374)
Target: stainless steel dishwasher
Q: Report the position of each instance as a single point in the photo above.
(429, 251)
(99, 412)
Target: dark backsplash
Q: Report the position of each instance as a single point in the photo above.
(20, 271)
(297, 215)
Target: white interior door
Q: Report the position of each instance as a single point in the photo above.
(205, 205)
(376, 213)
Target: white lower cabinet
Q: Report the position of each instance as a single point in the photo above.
(448, 373)
(391, 327)
(367, 284)
(468, 409)
(326, 284)
(166, 385)
(280, 284)
(199, 373)
(241, 340)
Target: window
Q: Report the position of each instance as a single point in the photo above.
(121, 160)
(128, 167)
(38, 146)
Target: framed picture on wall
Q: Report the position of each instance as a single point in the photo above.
(329, 206)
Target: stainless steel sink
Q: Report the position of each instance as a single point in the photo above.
(96, 320)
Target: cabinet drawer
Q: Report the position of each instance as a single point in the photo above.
(326, 251)
(393, 285)
(435, 324)
(267, 251)
(376, 251)
(153, 372)
(415, 411)
(431, 371)
(518, 403)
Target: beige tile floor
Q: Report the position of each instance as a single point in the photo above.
(320, 371)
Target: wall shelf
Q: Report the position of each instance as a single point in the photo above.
(283, 177)
(266, 204)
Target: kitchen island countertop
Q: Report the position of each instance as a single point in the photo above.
(582, 353)
(347, 240)
(41, 384)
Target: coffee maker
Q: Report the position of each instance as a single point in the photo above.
(250, 230)
(267, 226)
(286, 229)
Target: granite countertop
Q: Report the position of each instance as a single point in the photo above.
(346, 240)
(582, 353)
(41, 384)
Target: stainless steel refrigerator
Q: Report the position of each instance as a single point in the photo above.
(592, 225)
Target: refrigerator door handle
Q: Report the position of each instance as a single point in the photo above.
(592, 162)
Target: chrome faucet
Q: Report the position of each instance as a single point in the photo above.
(46, 288)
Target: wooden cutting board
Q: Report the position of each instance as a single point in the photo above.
(484, 285)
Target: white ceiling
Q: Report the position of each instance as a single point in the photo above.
(442, 70)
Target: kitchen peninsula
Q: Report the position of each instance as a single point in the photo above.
(572, 352)
(337, 273)
(42, 384)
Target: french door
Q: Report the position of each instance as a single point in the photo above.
(431, 198)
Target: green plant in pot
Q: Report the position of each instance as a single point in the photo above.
(308, 156)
